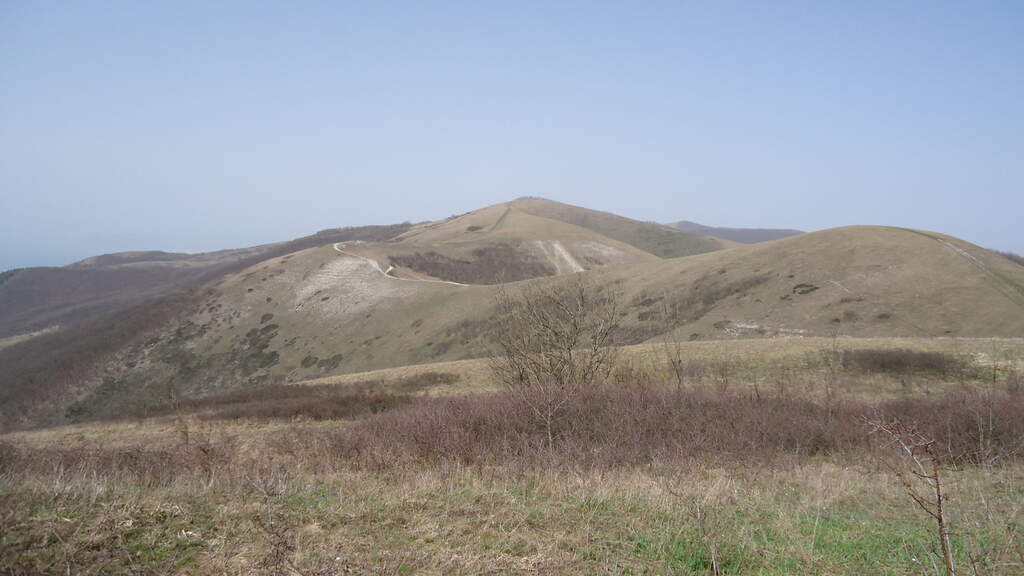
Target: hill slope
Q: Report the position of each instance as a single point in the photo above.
(662, 241)
(60, 327)
(856, 281)
(33, 299)
(741, 235)
(500, 243)
(319, 312)
(39, 298)
(528, 238)
(514, 241)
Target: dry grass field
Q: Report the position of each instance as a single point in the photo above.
(795, 364)
(760, 461)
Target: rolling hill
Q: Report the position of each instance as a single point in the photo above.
(319, 312)
(741, 235)
(660, 240)
(527, 238)
(344, 306)
(39, 298)
(34, 299)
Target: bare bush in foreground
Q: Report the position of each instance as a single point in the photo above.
(553, 339)
(919, 468)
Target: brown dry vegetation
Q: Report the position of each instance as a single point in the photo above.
(760, 290)
(671, 457)
(1013, 256)
(34, 298)
(641, 479)
(613, 425)
(605, 427)
(751, 291)
(660, 240)
(364, 478)
(500, 262)
(312, 402)
(795, 366)
(41, 376)
(901, 361)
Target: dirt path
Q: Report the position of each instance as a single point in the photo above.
(1013, 291)
(1006, 287)
(18, 338)
(501, 220)
(376, 266)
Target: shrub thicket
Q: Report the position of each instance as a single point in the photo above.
(899, 361)
(605, 426)
(614, 425)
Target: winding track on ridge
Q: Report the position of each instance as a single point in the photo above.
(376, 266)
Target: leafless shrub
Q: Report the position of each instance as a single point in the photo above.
(486, 265)
(781, 375)
(1011, 256)
(703, 500)
(630, 371)
(971, 427)
(269, 481)
(722, 372)
(608, 425)
(919, 467)
(279, 546)
(604, 426)
(671, 347)
(201, 451)
(314, 402)
(900, 361)
(417, 382)
(832, 358)
(552, 340)
(331, 406)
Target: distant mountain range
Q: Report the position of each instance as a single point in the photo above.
(741, 235)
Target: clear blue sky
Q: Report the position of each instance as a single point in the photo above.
(198, 126)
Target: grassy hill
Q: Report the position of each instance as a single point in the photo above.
(741, 235)
(36, 299)
(317, 312)
(149, 327)
(662, 241)
(523, 239)
(528, 238)
(858, 281)
(500, 243)
(62, 330)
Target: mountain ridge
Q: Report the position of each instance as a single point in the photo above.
(307, 310)
(741, 235)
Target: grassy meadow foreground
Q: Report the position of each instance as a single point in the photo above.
(752, 457)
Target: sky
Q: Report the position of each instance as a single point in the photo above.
(199, 126)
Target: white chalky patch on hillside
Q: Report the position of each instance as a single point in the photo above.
(559, 256)
(350, 285)
(603, 252)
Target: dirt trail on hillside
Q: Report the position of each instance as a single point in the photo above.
(1009, 289)
(376, 266)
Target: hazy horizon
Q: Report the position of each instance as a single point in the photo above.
(193, 127)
